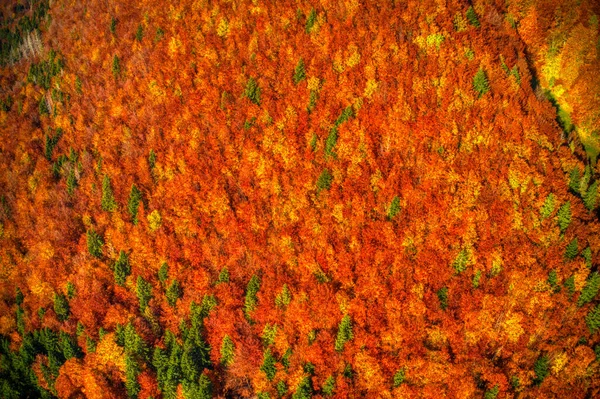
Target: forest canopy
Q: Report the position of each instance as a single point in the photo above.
(297, 199)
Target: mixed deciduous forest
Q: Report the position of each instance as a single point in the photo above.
(298, 199)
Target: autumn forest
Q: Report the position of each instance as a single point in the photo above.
(299, 199)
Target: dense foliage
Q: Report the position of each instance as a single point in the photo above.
(299, 199)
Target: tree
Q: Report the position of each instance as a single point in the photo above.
(399, 377)
(94, 243)
(564, 216)
(252, 91)
(541, 369)
(122, 268)
(299, 72)
(268, 365)
(548, 207)
(394, 208)
(174, 292)
(144, 292)
(592, 320)
(344, 333)
(163, 273)
(590, 289)
(572, 249)
(442, 295)
(590, 198)
(132, 370)
(284, 298)
(227, 351)
(472, 17)
(324, 181)
(460, 262)
(135, 196)
(329, 386)
(480, 82)
(223, 276)
(251, 300)
(61, 306)
(108, 200)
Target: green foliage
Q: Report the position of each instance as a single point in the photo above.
(442, 295)
(198, 390)
(284, 298)
(312, 103)
(570, 285)
(159, 34)
(324, 181)
(20, 313)
(90, 345)
(299, 72)
(135, 197)
(553, 280)
(144, 292)
(70, 290)
(548, 207)
(472, 17)
(268, 365)
(331, 141)
(251, 300)
(480, 82)
(42, 72)
(344, 333)
(227, 351)
(310, 20)
(304, 390)
(252, 91)
(223, 276)
(564, 216)
(575, 180)
(78, 85)
(152, 159)
(572, 249)
(108, 200)
(313, 142)
(61, 307)
(348, 372)
(269, 333)
(394, 208)
(43, 107)
(18, 296)
(174, 292)
(590, 289)
(139, 33)
(492, 393)
(116, 66)
(476, 279)
(587, 255)
(399, 377)
(282, 388)
(80, 329)
(541, 369)
(68, 346)
(285, 359)
(590, 198)
(263, 395)
(163, 273)
(515, 72)
(329, 386)
(51, 142)
(460, 262)
(132, 370)
(122, 268)
(113, 25)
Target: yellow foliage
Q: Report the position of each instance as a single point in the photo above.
(154, 220)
